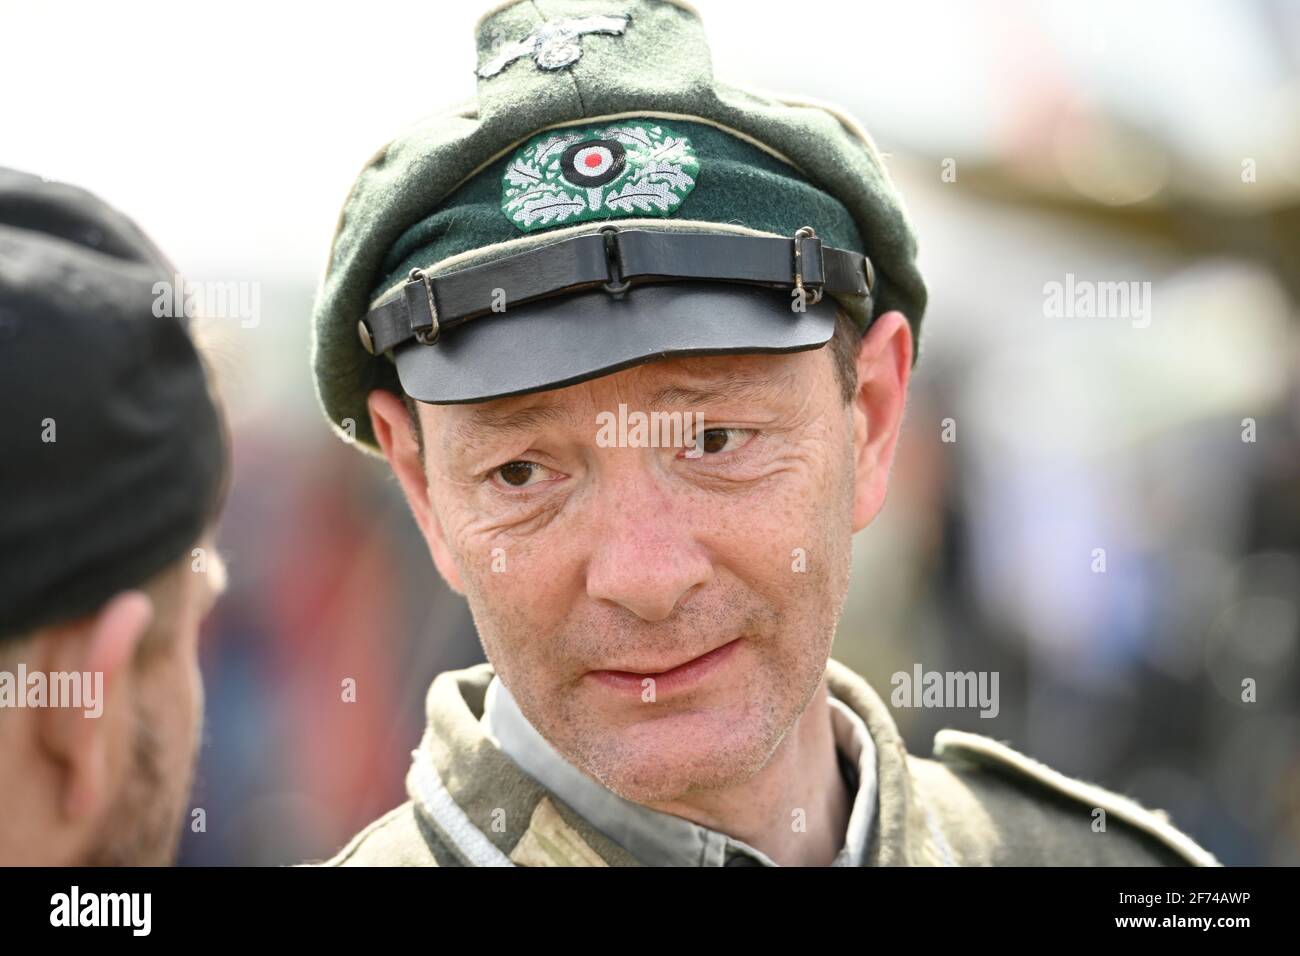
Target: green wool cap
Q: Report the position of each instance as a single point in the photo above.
(591, 113)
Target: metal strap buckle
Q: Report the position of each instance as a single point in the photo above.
(430, 335)
(363, 333)
(615, 285)
(804, 232)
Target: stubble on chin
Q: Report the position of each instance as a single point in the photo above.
(647, 767)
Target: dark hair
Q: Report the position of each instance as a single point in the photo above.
(843, 347)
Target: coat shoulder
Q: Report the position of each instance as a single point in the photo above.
(996, 806)
(399, 838)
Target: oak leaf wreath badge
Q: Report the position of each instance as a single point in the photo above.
(599, 172)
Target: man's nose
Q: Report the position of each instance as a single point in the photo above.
(644, 553)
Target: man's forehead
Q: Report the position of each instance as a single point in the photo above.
(678, 382)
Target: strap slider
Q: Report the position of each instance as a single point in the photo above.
(814, 293)
(615, 285)
(425, 333)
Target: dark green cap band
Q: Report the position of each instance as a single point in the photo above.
(736, 183)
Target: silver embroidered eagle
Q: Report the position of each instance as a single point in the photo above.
(554, 44)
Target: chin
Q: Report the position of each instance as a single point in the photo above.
(659, 760)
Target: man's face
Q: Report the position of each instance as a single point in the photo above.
(661, 617)
(143, 823)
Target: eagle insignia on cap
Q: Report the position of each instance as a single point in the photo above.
(555, 44)
(598, 172)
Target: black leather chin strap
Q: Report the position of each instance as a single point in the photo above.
(614, 259)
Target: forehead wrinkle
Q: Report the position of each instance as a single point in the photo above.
(730, 388)
(486, 425)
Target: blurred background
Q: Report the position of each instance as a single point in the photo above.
(1035, 143)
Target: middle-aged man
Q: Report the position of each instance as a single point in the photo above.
(609, 237)
(113, 459)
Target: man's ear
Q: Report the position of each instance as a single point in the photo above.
(392, 426)
(884, 368)
(93, 753)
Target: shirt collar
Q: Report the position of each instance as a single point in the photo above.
(661, 839)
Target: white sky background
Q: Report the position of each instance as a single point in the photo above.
(232, 132)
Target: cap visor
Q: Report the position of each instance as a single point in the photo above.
(563, 341)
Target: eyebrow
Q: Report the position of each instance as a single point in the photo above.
(736, 388)
(485, 426)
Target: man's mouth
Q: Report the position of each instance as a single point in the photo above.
(676, 677)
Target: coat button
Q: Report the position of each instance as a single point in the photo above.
(741, 860)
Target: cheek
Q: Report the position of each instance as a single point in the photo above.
(799, 525)
(521, 592)
(181, 691)
(483, 547)
(797, 551)
(171, 699)
(196, 697)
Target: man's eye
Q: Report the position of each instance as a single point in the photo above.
(520, 474)
(716, 440)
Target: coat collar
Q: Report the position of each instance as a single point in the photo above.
(663, 839)
(489, 812)
(906, 831)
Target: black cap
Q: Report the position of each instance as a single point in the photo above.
(112, 448)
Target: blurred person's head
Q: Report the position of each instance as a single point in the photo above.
(116, 460)
(590, 568)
